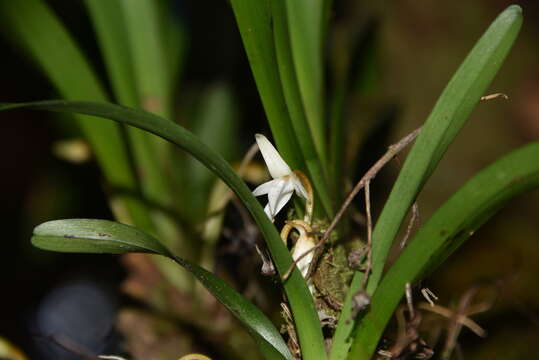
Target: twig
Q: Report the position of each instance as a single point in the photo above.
(369, 175)
(461, 319)
(429, 295)
(455, 324)
(408, 340)
(465, 301)
(409, 300)
(369, 232)
(494, 96)
(411, 223)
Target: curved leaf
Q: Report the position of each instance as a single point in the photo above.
(448, 116)
(314, 159)
(215, 122)
(445, 231)
(93, 237)
(108, 19)
(103, 236)
(297, 292)
(145, 40)
(63, 62)
(255, 26)
(306, 25)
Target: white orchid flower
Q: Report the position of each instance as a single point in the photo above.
(284, 181)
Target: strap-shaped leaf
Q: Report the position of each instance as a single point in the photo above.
(448, 116)
(94, 237)
(103, 236)
(108, 19)
(306, 25)
(255, 26)
(314, 159)
(145, 39)
(297, 292)
(446, 230)
(57, 54)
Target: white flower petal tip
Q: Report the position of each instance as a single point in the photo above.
(277, 167)
(284, 184)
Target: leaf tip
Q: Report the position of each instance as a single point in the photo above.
(44, 227)
(516, 9)
(512, 13)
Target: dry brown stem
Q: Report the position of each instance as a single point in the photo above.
(392, 151)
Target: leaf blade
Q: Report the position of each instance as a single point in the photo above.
(57, 54)
(254, 22)
(103, 236)
(435, 138)
(110, 25)
(314, 159)
(93, 236)
(307, 24)
(145, 39)
(453, 223)
(298, 294)
(448, 116)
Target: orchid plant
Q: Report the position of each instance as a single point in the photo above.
(284, 44)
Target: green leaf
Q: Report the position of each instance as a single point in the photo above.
(94, 237)
(175, 39)
(254, 22)
(145, 36)
(313, 158)
(448, 116)
(215, 122)
(297, 292)
(48, 42)
(452, 224)
(148, 32)
(102, 236)
(306, 23)
(267, 337)
(109, 22)
(341, 339)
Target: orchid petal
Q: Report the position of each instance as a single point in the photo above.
(279, 195)
(283, 199)
(265, 188)
(277, 167)
(267, 210)
(299, 188)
